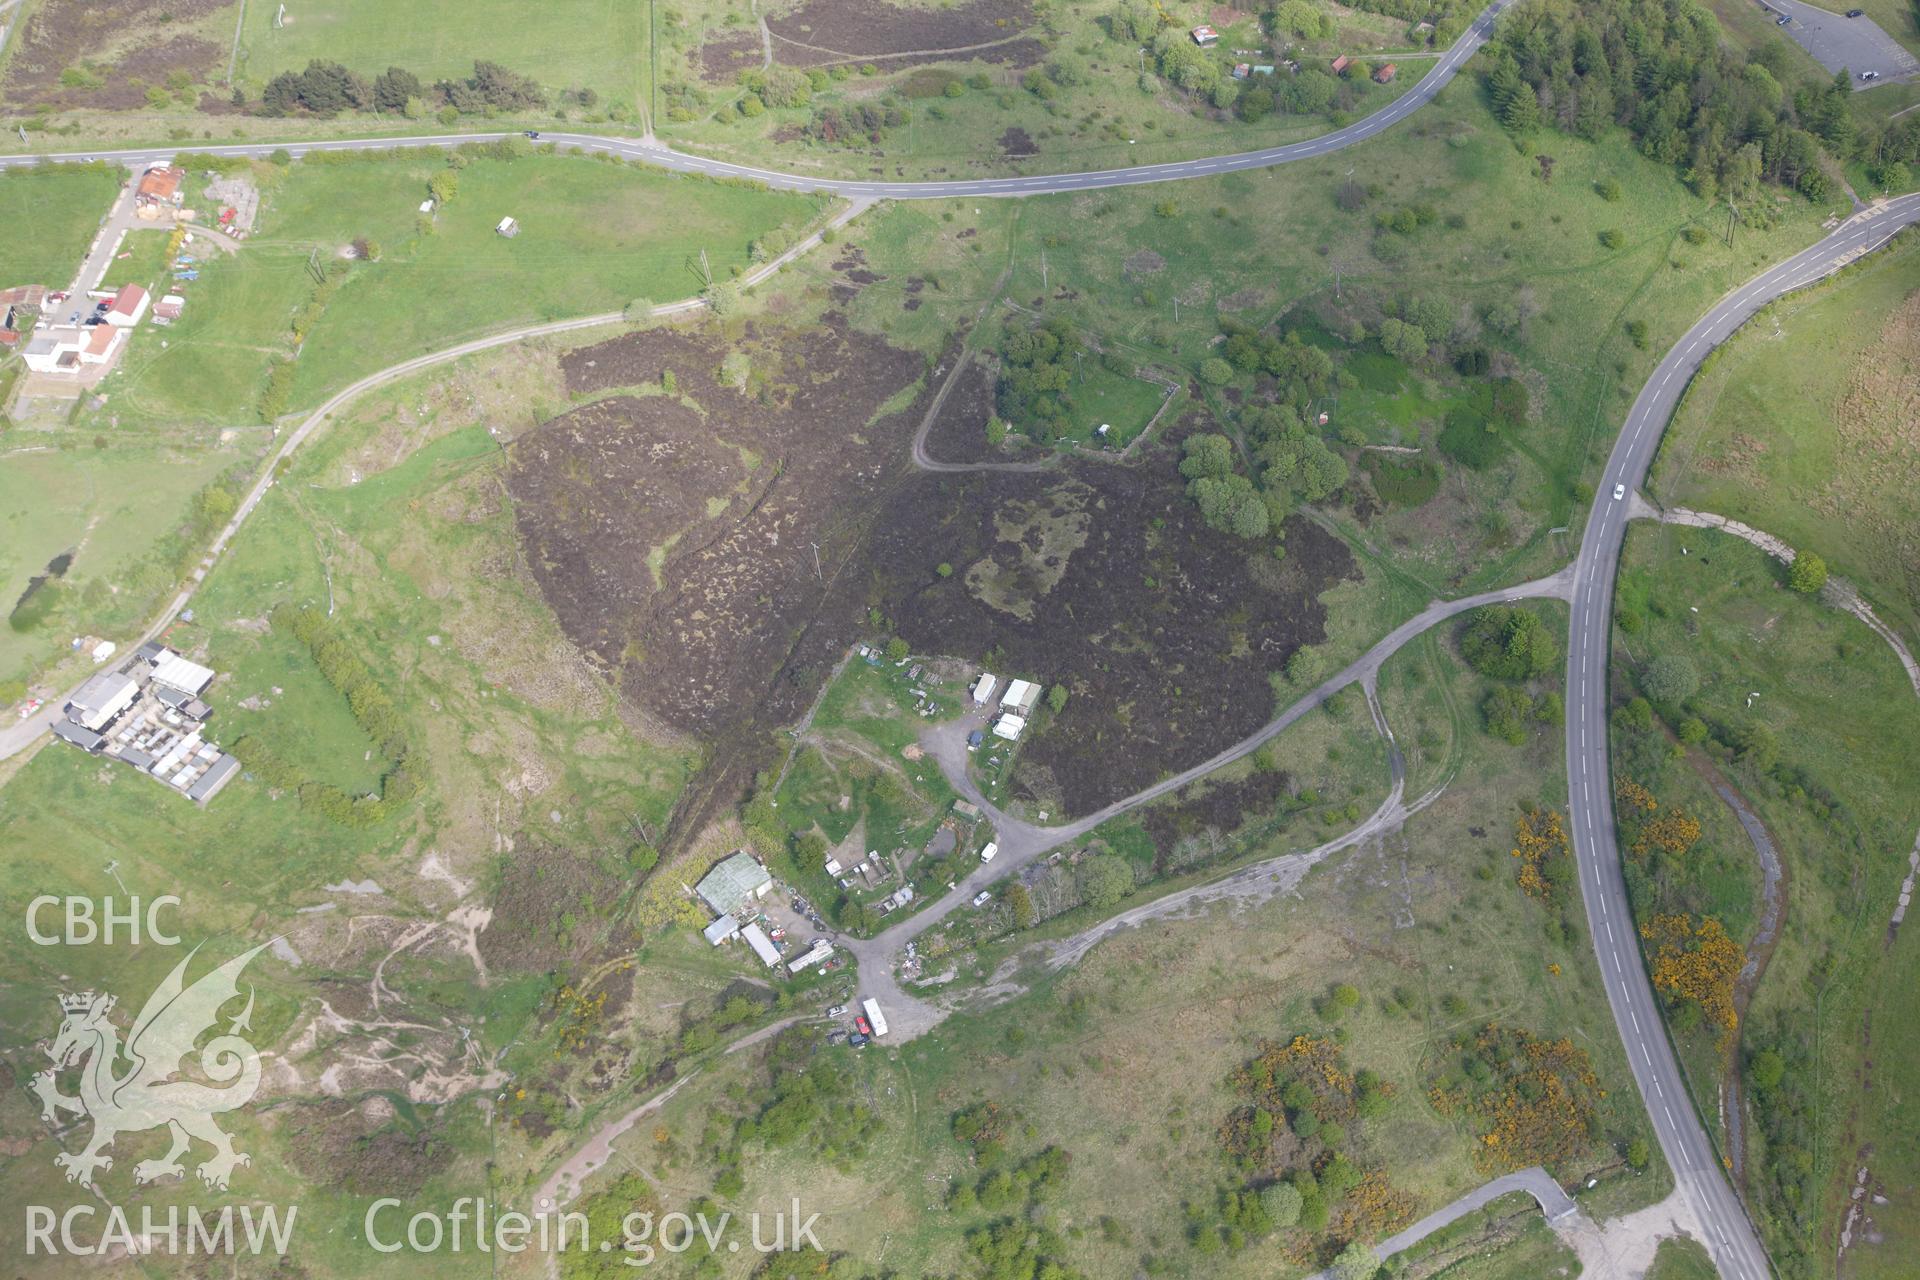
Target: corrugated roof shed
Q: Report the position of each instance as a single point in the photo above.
(102, 698)
(216, 777)
(79, 735)
(177, 671)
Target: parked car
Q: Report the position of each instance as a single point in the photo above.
(1783, 20)
(837, 1011)
(861, 1024)
(1869, 75)
(856, 1040)
(1855, 13)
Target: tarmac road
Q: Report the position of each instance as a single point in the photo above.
(1735, 1246)
(653, 153)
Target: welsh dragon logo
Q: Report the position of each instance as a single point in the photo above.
(149, 1090)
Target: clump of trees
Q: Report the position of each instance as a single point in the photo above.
(326, 89)
(1508, 642)
(1036, 378)
(1293, 1139)
(1227, 500)
(1726, 118)
(809, 1104)
(1290, 462)
(855, 124)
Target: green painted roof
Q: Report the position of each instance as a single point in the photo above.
(733, 881)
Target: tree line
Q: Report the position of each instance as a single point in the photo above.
(326, 89)
(373, 709)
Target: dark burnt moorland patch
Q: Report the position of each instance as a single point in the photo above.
(1103, 578)
(674, 532)
(106, 53)
(675, 536)
(825, 31)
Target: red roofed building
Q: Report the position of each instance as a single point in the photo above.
(161, 185)
(129, 307)
(102, 341)
(1384, 75)
(1341, 63)
(1205, 36)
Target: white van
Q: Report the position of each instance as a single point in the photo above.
(986, 854)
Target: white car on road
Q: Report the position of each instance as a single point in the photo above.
(1619, 492)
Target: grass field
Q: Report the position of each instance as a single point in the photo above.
(117, 508)
(1802, 427)
(51, 213)
(571, 45)
(593, 237)
(1822, 753)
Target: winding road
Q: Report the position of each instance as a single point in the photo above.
(1587, 584)
(1735, 1245)
(649, 151)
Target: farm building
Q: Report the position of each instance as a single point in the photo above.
(1021, 698)
(128, 307)
(68, 348)
(1341, 63)
(508, 228)
(176, 672)
(160, 185)
(168, 309)
(102, 698)
(1205, 37)
(1385, 74)
(735, 881)
(983, 689)
(722, 928)
(131, 716)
